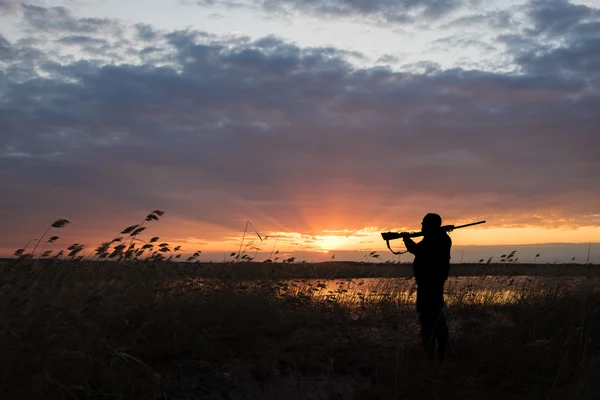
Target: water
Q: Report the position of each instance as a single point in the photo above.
(481, 290)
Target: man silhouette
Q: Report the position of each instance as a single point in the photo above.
(431, 266)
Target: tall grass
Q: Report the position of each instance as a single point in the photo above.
(75, 330)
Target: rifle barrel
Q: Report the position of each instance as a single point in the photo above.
(471, 224)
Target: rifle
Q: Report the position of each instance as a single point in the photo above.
(387, 236)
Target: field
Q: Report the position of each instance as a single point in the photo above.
(157, 330)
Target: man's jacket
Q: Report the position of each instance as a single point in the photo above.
(432, 257)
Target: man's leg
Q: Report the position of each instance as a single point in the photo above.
(426, 307)
(442, 335)
(434, 327)
(427, 328)
(428, 339)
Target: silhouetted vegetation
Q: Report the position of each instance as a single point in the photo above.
(116, 331)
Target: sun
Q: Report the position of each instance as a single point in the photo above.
(328, 243)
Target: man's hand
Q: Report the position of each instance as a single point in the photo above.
(411, 246)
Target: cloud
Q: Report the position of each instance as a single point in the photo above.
(221, 129)
(9, 6)
(559, 17)
(563, 40)
(146, 32)
(82, 40)
(389, 11)
(498, 19)
(60, 19)
(5, 48)
(451, 43)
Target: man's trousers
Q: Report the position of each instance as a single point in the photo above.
(434, 328)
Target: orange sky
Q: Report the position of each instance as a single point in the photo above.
(214, 240)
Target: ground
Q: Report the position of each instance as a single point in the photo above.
(169, 331)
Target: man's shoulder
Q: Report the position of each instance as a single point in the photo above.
(442, 239)
(441, 236)
(447, 237)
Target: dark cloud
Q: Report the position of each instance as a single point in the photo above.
(497, 19)
(146, 32)
(220, 130)
(392, 11)
(60, 19)
(82, 40)
(563, 40)
(559, 17)
(226, 3)
(580, 59)
(5, 48)
(451, 43)
(20, 59)
(388, 59)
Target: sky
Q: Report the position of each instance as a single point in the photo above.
(323, 122)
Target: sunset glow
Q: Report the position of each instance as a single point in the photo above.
(328, 243)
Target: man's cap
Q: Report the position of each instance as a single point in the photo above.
(433, 220)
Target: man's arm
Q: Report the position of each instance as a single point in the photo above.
(411, 246)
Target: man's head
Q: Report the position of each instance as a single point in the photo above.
(431, 222)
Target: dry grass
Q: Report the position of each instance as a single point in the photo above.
(183, 331)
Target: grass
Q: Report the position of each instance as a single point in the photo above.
(156, 330)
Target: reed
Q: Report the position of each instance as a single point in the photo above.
(113, 330)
